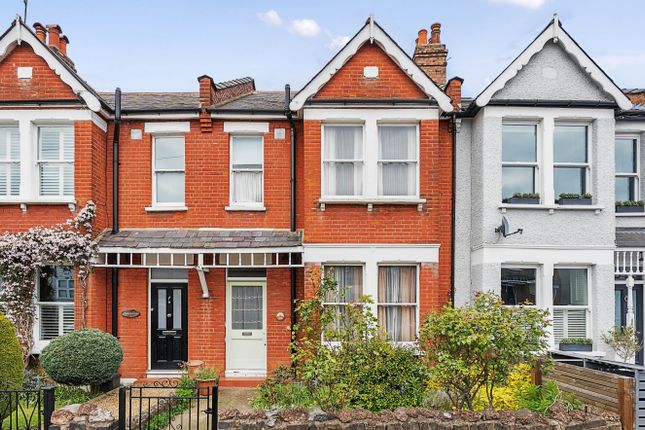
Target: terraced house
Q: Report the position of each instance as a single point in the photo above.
(217, 208)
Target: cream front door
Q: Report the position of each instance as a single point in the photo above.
(246, 345)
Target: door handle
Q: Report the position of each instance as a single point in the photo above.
(168, 315)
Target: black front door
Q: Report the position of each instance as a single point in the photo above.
(621, 311)
(169, 326)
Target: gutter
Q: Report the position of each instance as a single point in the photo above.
(292, 221)
(115, 205)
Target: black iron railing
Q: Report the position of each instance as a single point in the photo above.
(27, 409)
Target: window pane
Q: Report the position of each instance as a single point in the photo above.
(570, 180)
(247, 187)
(625, 155)
(343, 142)
(169, 153)
(397, 284)
(49, 144)
(570, 144)
(350, 283)
(246, 152)
(570, 287)
(56, 284)
(399, 322)
(397, 142)
(517, 180)
(519, 143)
(162, 317)
(397, 179)
(9, 143)
(9, 179)
(176, 309)
(518, 286)
(625, 189)
(343, 179)
(247, 309)
(170, 187)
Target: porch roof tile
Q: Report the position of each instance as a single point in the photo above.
(186, 238)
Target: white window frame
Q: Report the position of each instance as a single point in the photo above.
(324, 161)
(416, 161)
(417, 305)
(537, 165)
(538, 281)
(344, 264)
(61, 305)
(9, 161)
(247, 205)
(155, 203)
(587, 166)
(636, 175)
(61, 162)
(587, 308)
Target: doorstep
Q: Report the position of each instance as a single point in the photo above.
(163, 374)
(240, 381)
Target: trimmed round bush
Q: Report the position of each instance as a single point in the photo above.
(11, 364)
(83, 357)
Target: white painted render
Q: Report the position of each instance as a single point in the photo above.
(167, 127)
(246, 127)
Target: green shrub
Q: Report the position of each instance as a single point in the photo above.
(185, 391)
(84, 357)
(541, 398)
(11, 364)
(575, 341)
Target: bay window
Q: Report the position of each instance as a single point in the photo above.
(349, 290)
(55, 302)
(518, 286)
(56, 161)
(9, 161)
(168, 170)
(570, 302)
(343, 160)
(519, 159)
(570, 159)
(247, 171)
(397, 160)
(627, 183)
(397, 302)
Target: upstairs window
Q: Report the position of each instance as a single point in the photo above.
(247, 171)
(9, 161)
(56, 161)
(570, 160)
(627, 184)
(519, 159)
(343, 160)
(397, 160)
(169, 171)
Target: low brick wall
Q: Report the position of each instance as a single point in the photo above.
(418, 419)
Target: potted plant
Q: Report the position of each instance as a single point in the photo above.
(629, 206)
(524, 198)
(574, 199)
(576, 344)
(206, 376)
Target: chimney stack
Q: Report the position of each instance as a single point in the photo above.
(432, 56)
(54, 36)
(41, 33)
(206, 100)
(64, 41)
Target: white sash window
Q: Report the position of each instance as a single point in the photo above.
(9, 161)
(169, 171)
(56, 161)
(397, 160)
(397, 302)
(570, 302)
(343, 160)
(247, 171)
(55, 302)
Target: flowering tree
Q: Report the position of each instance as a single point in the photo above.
(24, 254)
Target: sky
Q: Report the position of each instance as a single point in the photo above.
(164, 45)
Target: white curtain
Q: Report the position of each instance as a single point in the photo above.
(397, 302)
(397, 165)
(343, 154)
(247, 307)
(247, 169)
(247, 187)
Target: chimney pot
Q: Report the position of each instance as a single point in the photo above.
(423, 37)
(41, 33)
(54, 35)
(435, 34)
(64, 41)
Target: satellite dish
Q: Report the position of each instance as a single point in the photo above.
(504, 228)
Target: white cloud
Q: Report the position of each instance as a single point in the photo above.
(304, 27)
(531, 4)
(270, 18)
(615, 61)
(337, 42)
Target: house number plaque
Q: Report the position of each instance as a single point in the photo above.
(130, 313)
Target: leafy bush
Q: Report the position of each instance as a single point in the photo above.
(474, 348)
(11, 367)
(541, 398)
(84, 357)
(281, 390)
(66, 395)
(575, 341)
(508, 396)
(624, 341)
(526, 195)
(207, 374)
(630, 203)
(575, 196)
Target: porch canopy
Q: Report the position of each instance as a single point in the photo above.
(630, 250)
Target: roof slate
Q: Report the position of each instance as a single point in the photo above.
(630, 237)
(184, 239)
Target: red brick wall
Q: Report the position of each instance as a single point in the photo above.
(207, 182)
(133, 332)
(43, 85)
(391, 82)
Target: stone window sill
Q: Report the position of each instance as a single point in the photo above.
(166, 208)
(67, 201)
(240, 208)
(551, 208)
(630, 214)
(370, 202)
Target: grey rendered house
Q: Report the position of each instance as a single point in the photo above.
(535, 152)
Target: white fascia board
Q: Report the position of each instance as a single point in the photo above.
(554, 32)
(509, 254)
(248, 250)
(630, 126)
(380, 253)
(373, 34)
(246, 127)
(162, 116)
(253, 116)
(366, 114)
(44, 116)
(20, 33)
(167, 127)
(537, 113)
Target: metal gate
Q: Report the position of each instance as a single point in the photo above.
(166, 405)
(27, 409)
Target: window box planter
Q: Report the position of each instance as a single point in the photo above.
(523, 200)
(580, 345)
(575, 199)
(630, 209)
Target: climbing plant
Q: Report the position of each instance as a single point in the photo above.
(23, 255)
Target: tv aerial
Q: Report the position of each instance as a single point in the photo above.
(504, 229)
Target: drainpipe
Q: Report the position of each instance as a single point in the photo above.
(454, 205)
(115, 205)
(292, 135)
